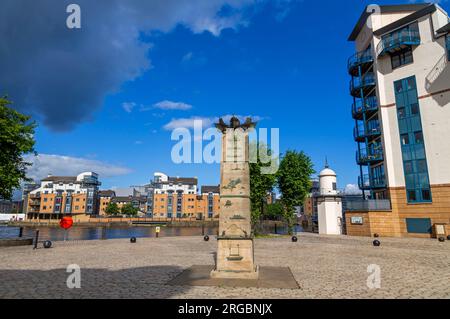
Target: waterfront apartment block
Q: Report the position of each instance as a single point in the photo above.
(400, 84)
(177, 197)
(58, 196)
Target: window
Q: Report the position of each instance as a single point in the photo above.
(426, 194)
(401, 58)
(448, 46)
(412, 142)
(412, 196)
(401, 112)
(418, 136)
(405, 139)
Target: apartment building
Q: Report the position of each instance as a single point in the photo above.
(104, 199)
(400, 84)
(59, 196)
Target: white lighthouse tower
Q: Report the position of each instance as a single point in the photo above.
(329, 203)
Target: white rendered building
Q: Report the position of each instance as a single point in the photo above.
(401, 106)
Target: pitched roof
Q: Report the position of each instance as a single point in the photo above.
(182, 180)
(415, 7)
(211, 189)
(60, 179)
(444, 29)
(107, 193)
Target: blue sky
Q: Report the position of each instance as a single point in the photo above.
(282, 62)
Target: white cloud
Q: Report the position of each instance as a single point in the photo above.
(206, 121)
(352, 189)
(187, 57)
(170, 105)
(128, 106)
(60, 165)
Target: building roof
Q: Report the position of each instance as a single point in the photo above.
(128, 199)
(60, 179)
(387, 9)
(444, 29)
(327, 172)
(211, 189)
(106, 193)
(182, 180)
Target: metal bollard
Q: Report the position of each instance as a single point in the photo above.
(36, 239)
(21, 232)
(276, 232)
(203, 229)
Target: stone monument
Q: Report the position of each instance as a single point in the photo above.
(235, 255)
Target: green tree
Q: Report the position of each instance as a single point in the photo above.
(129, 210)
(260, 183)
(16, 140)
(294, 182)
(112, 209)
(274, 211)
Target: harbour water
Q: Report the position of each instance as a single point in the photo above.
(115, 232)
(96, 233)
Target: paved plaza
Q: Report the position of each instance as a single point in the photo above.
(323, 266)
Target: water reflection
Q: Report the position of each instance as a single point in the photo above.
(116, 232)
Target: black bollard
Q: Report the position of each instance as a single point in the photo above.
(21, 232)
(448, 237)
(206, 238)
(36, 239)
(376, 243)
(203, 229)
(276, 232)
(47, 244)
(376, 235)
(294, 239)
(441, 239)
(133, 240)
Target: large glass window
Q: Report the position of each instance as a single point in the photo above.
(448, 46)
(412, 141)
(401, 58)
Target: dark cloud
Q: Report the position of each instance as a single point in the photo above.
(62, 75)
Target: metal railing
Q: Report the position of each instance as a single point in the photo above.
(360, 58)
(357, 83)
(365, 182)
(365, 156)
(365, 104)
(398, 39)
(369, 205)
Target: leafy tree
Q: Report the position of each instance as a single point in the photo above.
(294, 182)
(112, 209)
(16, 140)
(274, 211)
(129, 210)
(260, 183)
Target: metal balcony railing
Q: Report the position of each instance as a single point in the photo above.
(369, 205)
(364, 82)
(365, 182)
(368, 156)
(363, 105)
(358, 59)
(398, 40)
(361, 131)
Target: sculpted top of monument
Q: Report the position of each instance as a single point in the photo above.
(235, 124)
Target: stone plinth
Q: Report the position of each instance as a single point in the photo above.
(235, 258)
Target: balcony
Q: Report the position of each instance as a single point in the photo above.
(397, 41)
(365, 157)
(35, 196)
(371, 130)
(363, 59)
(372, 205)
(35, 203)
(367, 183)
(362, 86)
(366, 105)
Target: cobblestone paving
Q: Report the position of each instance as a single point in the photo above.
(324, 267)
